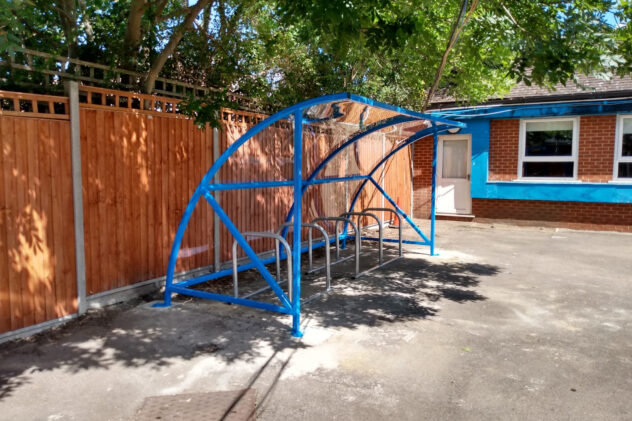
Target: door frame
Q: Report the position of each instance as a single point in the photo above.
(457, 136)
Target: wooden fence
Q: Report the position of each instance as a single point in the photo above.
(37, 250)
(141, 161)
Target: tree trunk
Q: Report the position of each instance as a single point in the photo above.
(68, 17)
(133, 33)
(176, 37)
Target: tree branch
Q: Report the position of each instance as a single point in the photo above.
(511, 18)
(460, 22)
(86, 20)
(174, 40)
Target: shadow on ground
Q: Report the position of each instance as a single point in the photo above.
(140, 336)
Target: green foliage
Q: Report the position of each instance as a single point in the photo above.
(284, 51)
(207, 109)
(393, 48)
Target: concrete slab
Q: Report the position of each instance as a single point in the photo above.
(507, 323)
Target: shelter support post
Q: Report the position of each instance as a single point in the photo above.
(433, 196)
(216, 227)
(296, 237)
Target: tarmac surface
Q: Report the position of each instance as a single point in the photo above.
(506, 323)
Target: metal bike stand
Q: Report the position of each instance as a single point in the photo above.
(399, 219)
(327, 265)
(338, 219)
(359, 235)
(278, 239)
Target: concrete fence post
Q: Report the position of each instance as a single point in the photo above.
(77, 195)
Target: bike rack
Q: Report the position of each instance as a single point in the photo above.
(359, 235)
(399, 219)
(380, 238)
(312, 269)
(338, 219)
(277, 239)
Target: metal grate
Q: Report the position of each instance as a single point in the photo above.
(236, 405)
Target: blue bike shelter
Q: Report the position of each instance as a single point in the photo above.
(345, 120)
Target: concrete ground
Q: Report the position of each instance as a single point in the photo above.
(507, 323)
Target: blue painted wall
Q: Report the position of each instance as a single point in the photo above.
(478, 123)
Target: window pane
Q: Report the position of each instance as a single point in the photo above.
(626, 149)
(454, 159)
(547, 169)
(625, 169)
(549, 138)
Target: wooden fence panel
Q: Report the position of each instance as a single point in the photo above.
(37, 254)
(139, 172)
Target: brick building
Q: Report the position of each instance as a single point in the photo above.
(560, 158)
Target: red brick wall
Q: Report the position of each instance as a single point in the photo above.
(596, 148)
(595, 161)
(422, 177)
(503, 149)
(576, 215)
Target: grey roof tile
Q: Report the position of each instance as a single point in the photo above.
(586, 87)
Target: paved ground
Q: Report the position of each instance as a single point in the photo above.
(508, 323)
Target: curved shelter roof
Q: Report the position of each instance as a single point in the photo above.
(299, 147)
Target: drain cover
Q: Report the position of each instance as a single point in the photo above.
(236, 405)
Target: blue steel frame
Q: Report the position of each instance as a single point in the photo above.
(292, 305)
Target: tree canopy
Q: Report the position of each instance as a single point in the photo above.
(284, 51)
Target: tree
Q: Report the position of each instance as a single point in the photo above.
(466, 49)
(284, 51)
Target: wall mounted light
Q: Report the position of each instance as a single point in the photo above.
(454, 130)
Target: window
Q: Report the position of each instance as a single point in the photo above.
(548, 149)
(623, 149)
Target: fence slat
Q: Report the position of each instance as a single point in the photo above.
(39, 250)
(70, 304)
(57, 218)
(5, 214)
(22, 222)
(118, 145)
(9, 137)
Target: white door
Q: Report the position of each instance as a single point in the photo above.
(453, 174)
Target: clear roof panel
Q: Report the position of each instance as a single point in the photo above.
(269, 155)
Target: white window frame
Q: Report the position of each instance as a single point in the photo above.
(523, 158)
(618, 150)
